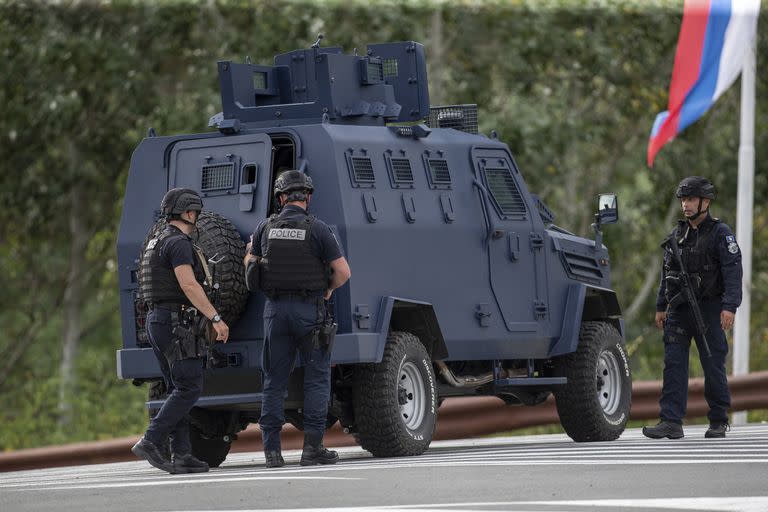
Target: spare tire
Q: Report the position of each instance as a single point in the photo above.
(220, 241)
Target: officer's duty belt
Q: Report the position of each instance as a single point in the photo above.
(310, 297)
(174, 307)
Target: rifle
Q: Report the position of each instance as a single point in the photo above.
(687, 289)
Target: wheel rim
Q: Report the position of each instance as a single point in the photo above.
(608, 382)
(411, 395)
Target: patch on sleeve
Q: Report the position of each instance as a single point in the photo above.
(732, 247)
(730, 238)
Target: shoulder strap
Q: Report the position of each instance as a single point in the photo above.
(204, 263)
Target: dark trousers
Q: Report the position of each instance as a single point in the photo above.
(678, 331)
(287, 324)
(184, 380)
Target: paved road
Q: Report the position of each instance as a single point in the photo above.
(532, 473)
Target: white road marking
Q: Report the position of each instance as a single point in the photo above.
(701, 504)
(745, 445)
(727, 504)
(176, 481)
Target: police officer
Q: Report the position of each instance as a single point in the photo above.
(300, 263)
(172, 270)
(712, 259)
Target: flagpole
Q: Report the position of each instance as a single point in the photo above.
(745, 200)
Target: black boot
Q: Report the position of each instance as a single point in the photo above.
(147, 450)
(717, 430)
(667, 429)
(317, 454)
(274, 459)
(188, 463)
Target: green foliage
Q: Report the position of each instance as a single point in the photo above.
(572, 86)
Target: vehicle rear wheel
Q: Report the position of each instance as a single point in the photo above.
(395, 401)
(207, 437)
(594, 405)
(213, 450)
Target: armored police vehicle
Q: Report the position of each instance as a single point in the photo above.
(462, 285)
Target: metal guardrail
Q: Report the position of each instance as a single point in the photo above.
(457, 418)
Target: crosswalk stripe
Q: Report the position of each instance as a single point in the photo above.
(745, 445)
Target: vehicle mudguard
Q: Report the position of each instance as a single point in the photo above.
(585, 302)
(414, 316)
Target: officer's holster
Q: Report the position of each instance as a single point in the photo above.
(188, 336)
(322, 336)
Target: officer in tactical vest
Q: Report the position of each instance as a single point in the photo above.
(299, 264)
(172, 270)
(711, 268)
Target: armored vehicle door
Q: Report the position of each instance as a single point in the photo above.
(223, 167)
(510, 240)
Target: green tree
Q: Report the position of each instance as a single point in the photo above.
(572, 87)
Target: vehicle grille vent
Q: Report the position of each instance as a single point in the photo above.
(218, 177)
(505, 192)
(363, 169)
(401, 170)
(459, 117)
(547, 215)
(438, 171)
(583, 268)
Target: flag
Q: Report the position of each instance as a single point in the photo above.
(714, 38)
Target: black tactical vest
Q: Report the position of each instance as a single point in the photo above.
(157, 278)
(288, 265)
(699, 254)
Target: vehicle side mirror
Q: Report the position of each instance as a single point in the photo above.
(607, 209)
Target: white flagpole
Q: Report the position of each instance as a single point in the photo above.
(745, 200)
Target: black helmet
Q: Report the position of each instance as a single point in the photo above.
(696, 186)
(179, 200)
(293, 181)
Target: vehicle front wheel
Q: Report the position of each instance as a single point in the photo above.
(594, 405)
(395, 401)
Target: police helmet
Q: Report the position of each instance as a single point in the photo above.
(696, 186)
(294, 183)
(179, 200)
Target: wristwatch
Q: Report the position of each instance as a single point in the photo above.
(216, 318)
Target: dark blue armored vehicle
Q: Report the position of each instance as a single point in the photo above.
(461, 285)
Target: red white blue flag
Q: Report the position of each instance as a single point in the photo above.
(714, 38)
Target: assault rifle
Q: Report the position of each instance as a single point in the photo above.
(688, 289)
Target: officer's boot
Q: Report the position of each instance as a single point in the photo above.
(147, 450)
(668, 429)
(716, 430)
(187, 463)
(274, 458)
(314, 454)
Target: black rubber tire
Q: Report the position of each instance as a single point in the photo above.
(582, 415)
(213, 450)
(382, 428)
(217, 236)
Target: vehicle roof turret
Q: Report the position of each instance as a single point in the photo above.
(387, 84)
